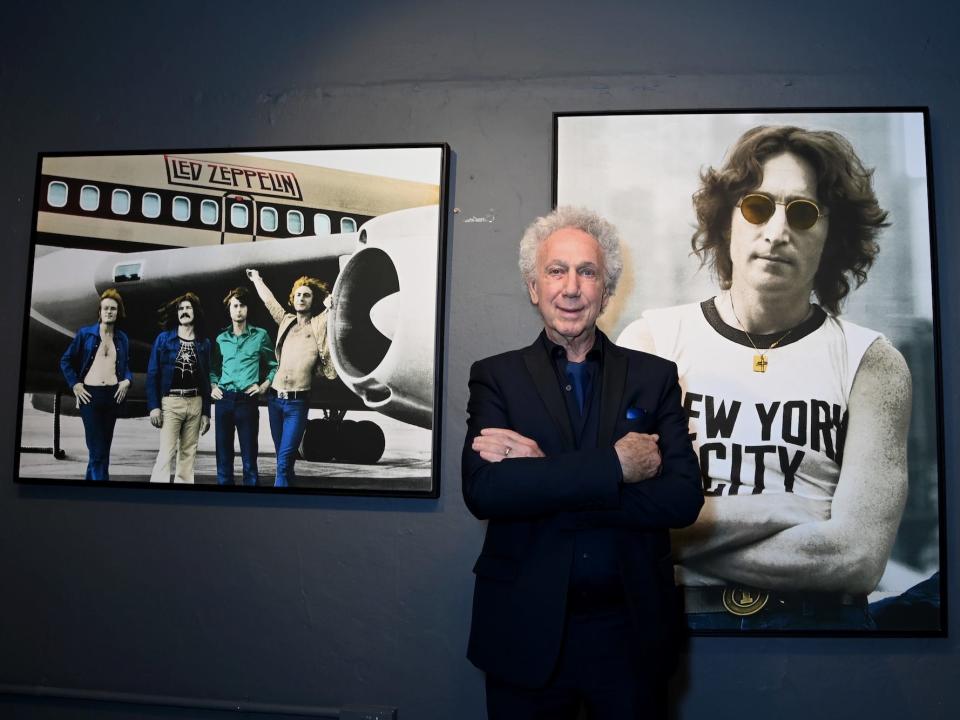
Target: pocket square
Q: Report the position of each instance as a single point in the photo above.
(635, 413)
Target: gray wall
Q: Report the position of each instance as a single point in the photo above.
(325, 601)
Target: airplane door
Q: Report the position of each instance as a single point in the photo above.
(239, 214)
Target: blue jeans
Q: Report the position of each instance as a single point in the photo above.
(808, 617)
(288, 420)
(236, 410)
(99, 417)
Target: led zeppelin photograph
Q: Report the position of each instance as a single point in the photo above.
(250, 320)
(784, 262)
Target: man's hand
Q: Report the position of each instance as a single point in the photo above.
(204, 424)
(216, 393)
(81, 394)
(156, 418)
(121, 392)
(639, 456)
(254, 275)
(256, 390)
(496, 444)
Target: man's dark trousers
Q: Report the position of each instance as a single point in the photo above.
(237, 411)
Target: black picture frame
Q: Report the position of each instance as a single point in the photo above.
(367, 220)
(640, 170)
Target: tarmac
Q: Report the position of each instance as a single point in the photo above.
(405, 465)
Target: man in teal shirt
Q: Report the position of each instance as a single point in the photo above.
(243, 354)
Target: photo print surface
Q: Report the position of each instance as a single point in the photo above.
(783, 260)
(263, 320)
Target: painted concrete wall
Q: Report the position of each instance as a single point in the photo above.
(325, 601)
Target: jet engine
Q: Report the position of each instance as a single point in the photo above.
(382, 323)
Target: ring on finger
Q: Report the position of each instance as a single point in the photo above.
(506, 450)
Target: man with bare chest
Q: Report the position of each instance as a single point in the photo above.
(97, 370)
(302, 352)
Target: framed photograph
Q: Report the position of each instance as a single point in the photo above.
(785, 260)
(261, 320)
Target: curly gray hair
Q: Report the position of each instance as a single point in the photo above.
(579, 218)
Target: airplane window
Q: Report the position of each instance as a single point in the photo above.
(239, 215)
(348, 225)
(127, 272)
(57, 193)
(268, 219)
(89, 198)
(150, 205)
(181, 208)
(209, 212)
(321, 224)
(120, 202)
(294, 222)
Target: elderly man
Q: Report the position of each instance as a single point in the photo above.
(577, 453)
(302, 353)
(178, 387)
(800, 418)
(96, 367)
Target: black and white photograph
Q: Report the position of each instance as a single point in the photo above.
(244, 319)
(782, 259)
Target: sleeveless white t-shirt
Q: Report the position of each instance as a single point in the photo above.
(777, 431)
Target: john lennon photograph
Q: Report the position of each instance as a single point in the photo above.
(253, 320)
(784, 262)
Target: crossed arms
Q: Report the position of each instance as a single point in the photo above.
(643, 481)
(788, 542)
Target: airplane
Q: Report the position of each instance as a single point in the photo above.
(383, 275)
(187, 199)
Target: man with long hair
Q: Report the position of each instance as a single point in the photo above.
(96, 367)
(799, 417)
(302, 353)
(178, 387)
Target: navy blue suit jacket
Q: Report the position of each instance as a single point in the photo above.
(536, 505)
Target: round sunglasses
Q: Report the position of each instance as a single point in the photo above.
(801, 214)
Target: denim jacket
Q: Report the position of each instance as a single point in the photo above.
(163, 356)
(77, 359)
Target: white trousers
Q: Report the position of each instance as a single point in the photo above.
(179, 436)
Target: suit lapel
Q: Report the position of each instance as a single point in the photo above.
(611, 389)
(544, 376)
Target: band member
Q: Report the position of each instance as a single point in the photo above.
(178, 387)
(800, 417)
(96, 368)
(577, 453)
(242, 355)
(302, 353)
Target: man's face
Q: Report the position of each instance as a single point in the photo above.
(568, 287)
(773, 256)
(109, 310)
(238, 311)
(185, 312)
(303, 299)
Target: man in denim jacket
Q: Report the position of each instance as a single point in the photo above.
(96, 368)
(178, 387)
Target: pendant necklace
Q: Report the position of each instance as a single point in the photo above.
(760, 361)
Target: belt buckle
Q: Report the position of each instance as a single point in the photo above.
(282, 394)
(743, 601)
